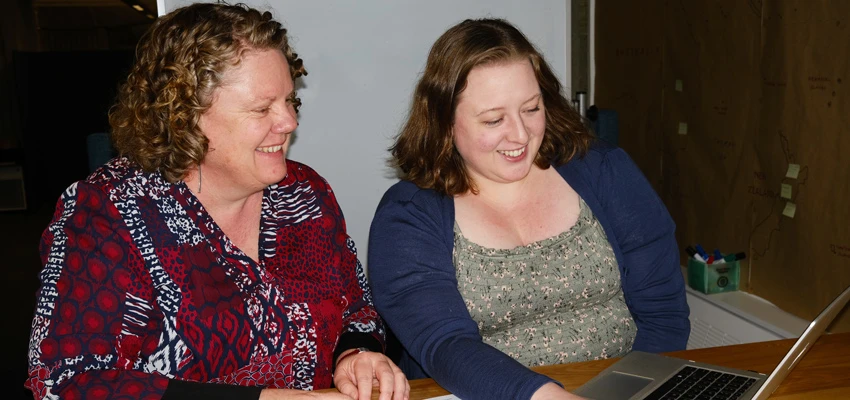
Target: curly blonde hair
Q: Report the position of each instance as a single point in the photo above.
(424, 150)
(180, 62)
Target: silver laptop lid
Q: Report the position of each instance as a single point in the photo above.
(809, 337)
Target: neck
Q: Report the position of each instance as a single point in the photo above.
(508, 195)
(219, 197)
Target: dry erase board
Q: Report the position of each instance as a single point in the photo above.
(363, 59)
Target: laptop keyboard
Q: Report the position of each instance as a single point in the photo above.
(694, 383)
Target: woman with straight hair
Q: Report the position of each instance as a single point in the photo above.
(515, 238)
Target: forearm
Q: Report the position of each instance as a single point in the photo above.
(661, 316)
(444, 340)
(471, 369)
(98, 383)
(361, 325)
(186, 390)
(552, 391)
(657, 293)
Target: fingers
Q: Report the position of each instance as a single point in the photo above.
(345, 386)
(392, 382)
(401, 391)
(280, 394)
(358, 374)
(364, 377)
(385, 377)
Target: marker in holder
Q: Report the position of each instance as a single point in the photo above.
(714, 278)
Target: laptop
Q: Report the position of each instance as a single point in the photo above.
(647, 376)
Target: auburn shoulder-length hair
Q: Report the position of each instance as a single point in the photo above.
(179, 63)
(424, 150)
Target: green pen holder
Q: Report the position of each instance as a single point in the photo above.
(714, 278)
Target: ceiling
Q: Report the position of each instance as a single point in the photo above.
(88, 14)
(149, 4)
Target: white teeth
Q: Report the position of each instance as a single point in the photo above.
(270, 149)
(512, 153)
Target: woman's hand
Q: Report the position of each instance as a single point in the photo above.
(292, 394)
(356, 374)
(553, 391)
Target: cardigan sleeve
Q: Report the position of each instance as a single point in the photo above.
(652, 283)
(415, 288)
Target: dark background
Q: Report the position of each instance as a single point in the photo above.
(60, 66)
(59, 108)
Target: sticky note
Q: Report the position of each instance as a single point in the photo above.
(793, 171)
(786, 191)
(678, 85)
(790, 210)
(683, 128)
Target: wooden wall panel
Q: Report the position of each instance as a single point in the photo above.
(716, 99)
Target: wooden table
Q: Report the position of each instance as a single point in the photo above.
(824, 373)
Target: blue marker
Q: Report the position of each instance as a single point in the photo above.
(701, 252)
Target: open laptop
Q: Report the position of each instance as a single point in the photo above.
(648, 376)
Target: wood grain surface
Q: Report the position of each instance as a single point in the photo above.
(824, 372)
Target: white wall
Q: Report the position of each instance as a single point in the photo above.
(363, 59)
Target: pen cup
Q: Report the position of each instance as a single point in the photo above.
(713, 278)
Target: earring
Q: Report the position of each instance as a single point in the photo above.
(200, 178)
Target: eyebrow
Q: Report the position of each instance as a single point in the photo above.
(499, 108)
(263, 99)
(269, 99)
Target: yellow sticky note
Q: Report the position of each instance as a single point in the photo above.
(790, 210)
(683, 128)
(786, 191)
(793, 171)
(678, 85)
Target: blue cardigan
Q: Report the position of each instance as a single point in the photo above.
(415, 289)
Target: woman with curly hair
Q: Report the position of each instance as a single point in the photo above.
(201, 262)
(515, 239)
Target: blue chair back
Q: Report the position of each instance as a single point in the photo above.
(607, 126)
(100, 150)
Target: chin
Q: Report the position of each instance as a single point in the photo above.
(273, 178)
(516, 176)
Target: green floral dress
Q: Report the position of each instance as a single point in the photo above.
(554, 301)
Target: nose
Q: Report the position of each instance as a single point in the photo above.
(519, 133)
(287, 120)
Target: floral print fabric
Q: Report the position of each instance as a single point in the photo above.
(554, 301)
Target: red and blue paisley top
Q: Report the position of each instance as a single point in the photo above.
(141, 286)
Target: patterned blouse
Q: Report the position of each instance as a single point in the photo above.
(554, 301)
(140, 285)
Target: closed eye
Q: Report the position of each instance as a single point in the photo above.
(493, 122)
(533, 110)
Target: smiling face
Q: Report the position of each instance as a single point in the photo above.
(499, 122)
(249, 124)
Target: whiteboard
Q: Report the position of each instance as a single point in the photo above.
(364, 58)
